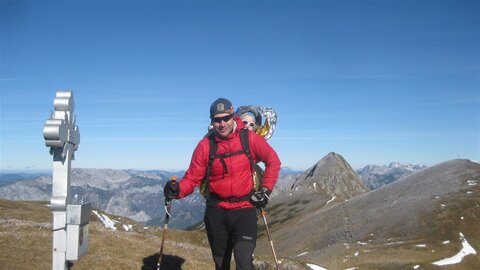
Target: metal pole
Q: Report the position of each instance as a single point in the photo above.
(62, 136)
(168, 206)
(264, 216)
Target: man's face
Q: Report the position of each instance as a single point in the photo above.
(223, 124)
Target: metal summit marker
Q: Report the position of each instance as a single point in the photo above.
(70, 218)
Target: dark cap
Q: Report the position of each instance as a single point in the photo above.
(221, 105)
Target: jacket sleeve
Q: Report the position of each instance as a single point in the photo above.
(263, 152)
(196, 170)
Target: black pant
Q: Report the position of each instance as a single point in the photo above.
(229, 230)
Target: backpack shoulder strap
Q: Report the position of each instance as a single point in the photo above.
(212, 149)
(257, 172)
(246, 146)
(211, 156)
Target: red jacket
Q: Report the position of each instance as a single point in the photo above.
(237, 180)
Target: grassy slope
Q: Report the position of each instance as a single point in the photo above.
(377, 232)
(25, 243)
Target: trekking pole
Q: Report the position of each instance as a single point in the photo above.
(264, 216)
(168, 206)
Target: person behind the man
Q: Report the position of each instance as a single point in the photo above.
(248, 119)
(230, 216)
(250, 116)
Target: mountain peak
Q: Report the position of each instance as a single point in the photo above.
(332, 155)
(332, 175)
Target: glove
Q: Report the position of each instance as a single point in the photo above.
(171, 190)
(260, 198)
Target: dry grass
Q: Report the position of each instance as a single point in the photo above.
(25, 235)
(26, 243)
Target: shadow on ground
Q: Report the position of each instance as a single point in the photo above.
(169, 262)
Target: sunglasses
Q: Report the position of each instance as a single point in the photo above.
(224, 119)
(246, 123)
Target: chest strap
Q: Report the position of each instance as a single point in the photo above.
(222, 157)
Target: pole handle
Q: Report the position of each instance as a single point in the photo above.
(174, 182)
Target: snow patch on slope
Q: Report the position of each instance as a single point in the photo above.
(466, 250)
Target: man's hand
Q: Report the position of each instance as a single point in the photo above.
(260, 198)
(171, 190)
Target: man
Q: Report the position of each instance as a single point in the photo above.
(230, 216)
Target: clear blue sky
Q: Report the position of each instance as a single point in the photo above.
(375, 81)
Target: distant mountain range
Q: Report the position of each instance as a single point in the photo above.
(8, 178)
(375, 176)
(134, 194)
(138, 195)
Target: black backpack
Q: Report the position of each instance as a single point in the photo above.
(257, 172)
